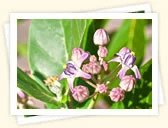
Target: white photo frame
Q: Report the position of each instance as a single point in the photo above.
(13, 56)
(132, 8)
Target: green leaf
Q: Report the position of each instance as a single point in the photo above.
(141, 96)
(32, 88)
(22, 49)
(118, 105)
(51, 43)
(131, 35)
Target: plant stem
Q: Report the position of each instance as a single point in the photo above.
(90, 83)
(93, 101)
(111, 73)
(94, 79)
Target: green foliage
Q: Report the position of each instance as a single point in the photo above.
(32, 88)
(141, 97)
(131, 35)
(51, 43)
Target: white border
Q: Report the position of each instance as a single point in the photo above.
(146, 8)
(130, 8)
(13, 63)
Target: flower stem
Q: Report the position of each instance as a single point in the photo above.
(111, 73)
(90, 83)
(93, 100)
(94, 79)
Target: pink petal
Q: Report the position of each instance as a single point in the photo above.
(83, 74)
(122, 71)
(116, 59)
(136, 71)
(70, 83)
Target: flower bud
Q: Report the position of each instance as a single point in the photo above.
(101, 88)
(20, 94)
(105, 66)
(80, 93)
(93, 58)
(127, 83)
(94, 67)
(100, 37)
(117, 94)
(85, 68)
(102, 52)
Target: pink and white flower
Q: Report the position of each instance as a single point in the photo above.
(127, 83)
(80, 93)
(101, 88)
(127, 59)
(117, 94)
(100, 37)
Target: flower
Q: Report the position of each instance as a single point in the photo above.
(54, 86)
(101, 88)
(127, 59)
(92, 58)
(92, 67)
(102, 51)
(117, 94)
(100, 37)
(127, 83)
(80, 93)
(20, 94)
(71, 72)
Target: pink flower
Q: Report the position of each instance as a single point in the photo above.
(85, 68)
(102, 52)
(72, 69)
(127, 59)
(80, 93)
(20, 93)
(101, 88)
(127, 83)
(93, 58)
(71, 72)
(117, 94)
(100, 37)
(94, 67)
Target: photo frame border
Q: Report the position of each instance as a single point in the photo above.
(13, 63)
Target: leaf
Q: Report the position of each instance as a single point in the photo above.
(32, 88)
(88, 104)
(131, 35)
(117, 105)
(51, 43)
(141, 96)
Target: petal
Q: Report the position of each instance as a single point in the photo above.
(62, 76)
(123, 52)
(122, 71)
(78, 56)
(105, 66)
(136, 71)
(116, 59)
(70, 83)
(83, 57)
(83, 74)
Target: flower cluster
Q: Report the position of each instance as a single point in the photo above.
(91, 67)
